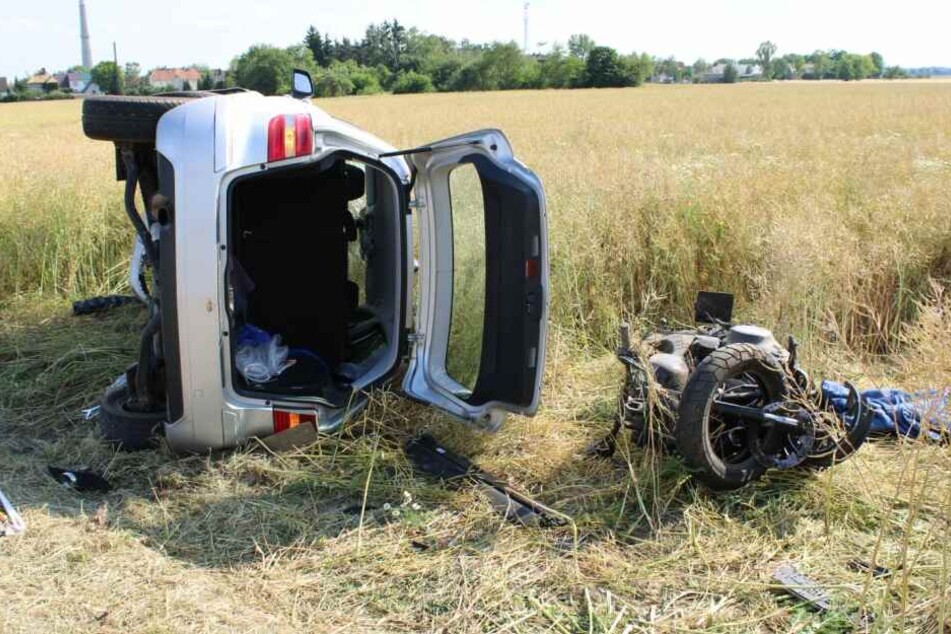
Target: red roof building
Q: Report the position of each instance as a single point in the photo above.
(175, 78)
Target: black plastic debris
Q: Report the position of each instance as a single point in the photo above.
(859, 565)
(432, 458)
(81, 480)
(102, 304)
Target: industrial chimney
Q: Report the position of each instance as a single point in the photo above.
(84, 35)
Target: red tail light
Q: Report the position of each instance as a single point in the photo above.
(288, 136)
(275, 139)
(284, 420)
(531, 268)
(304, 135)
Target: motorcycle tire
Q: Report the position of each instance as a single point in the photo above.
(713, 446)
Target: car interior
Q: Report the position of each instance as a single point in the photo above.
(316, 256)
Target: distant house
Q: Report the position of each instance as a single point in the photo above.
(42, 82)
(744, 72)
(808, 71)
(4, 87)
(77, 82)
(175, 78)
(218, 77)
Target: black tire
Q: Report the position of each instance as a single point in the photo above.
(695, 425)
(124, 119)
(133, 431)
(101, 304)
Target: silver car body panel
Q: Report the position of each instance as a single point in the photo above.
(209, 142)
(427, 378)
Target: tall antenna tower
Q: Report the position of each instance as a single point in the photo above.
(525, 34)
(84, 35)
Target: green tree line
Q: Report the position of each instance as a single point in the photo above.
(393, 58)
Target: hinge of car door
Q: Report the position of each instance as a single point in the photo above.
(413, 342)
(429, 148)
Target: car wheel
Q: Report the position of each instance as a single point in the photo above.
(124, 119)
(131, 430)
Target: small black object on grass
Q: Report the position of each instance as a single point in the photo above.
(81, 480)
(859, 565)
(102, 304)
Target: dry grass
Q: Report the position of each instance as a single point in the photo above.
(825, 208)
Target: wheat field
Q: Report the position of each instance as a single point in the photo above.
(825, 207)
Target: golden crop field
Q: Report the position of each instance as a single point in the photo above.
(826, 208)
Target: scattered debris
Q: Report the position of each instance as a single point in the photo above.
(79, 479)
(100, 519)
(434, 459)
(300, 435)
(10, 521)
(812, 594)
(877, 571)
(357, 509)
(802, 587)
(90, 413)
(102, 304)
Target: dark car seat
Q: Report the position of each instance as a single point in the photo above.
(294, 228)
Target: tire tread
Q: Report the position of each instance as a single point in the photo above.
(689, 432)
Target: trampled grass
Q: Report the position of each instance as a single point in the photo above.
(826, 208)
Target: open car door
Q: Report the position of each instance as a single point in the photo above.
(479, 346)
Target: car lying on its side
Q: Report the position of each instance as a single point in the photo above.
(266, 217)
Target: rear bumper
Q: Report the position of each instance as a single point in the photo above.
(238, 424)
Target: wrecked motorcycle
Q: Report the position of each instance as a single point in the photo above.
(730, 400)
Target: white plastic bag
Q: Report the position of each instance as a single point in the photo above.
(262, 362)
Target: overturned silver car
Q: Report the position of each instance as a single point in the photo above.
(297, 262)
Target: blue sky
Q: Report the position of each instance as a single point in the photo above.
(178, 32)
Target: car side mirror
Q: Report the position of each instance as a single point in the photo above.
(303, 85)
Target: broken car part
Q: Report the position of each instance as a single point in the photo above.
(81, 480)
(10, 521)
(802, 587)
(101, 304)
(859, 565)
(436, 460)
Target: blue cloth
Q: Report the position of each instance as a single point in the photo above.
(899, 412)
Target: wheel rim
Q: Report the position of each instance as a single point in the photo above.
(728, 435)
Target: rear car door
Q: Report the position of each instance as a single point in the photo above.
(478, 350)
